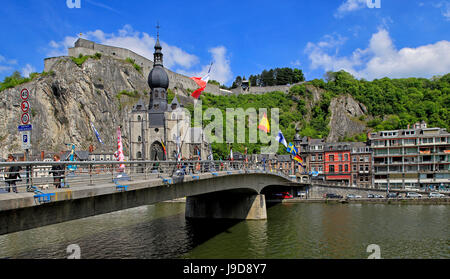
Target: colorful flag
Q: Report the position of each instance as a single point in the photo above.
(164, 148)
(298, 159)
(119, 155)
(291, 149)
(231, 154)
(264, 124)
(202, 83)
(280, 138)
(96, 134)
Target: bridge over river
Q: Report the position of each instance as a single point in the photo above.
(214, 189)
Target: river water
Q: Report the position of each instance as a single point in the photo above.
(292, 231)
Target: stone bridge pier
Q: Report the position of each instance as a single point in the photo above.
(227, 205)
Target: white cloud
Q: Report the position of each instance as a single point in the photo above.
(27, 70)
(6, 64)
(220, 70)
(60, 48)
(349, 6)
(381, 58)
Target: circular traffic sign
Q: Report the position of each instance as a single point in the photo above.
(25, 106)
(24, 94)
(25, 118)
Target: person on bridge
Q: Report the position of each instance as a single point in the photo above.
(12, 175)
(57, 172)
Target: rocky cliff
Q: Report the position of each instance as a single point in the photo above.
(66, 100)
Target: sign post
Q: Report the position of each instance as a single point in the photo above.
(25, 130)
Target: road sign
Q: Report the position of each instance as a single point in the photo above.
(26, 139)
(25, 118)
(23, 128)
(25, 106)
(24, 94)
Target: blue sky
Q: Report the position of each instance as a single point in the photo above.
(402, 38)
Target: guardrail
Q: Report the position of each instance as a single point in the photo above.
(40, 175)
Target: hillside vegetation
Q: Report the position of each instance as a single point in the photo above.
(391, 104)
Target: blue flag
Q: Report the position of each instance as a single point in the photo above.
(291, 149)
(96, 134)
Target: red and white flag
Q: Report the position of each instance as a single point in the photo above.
(119, 154)
(202, 82)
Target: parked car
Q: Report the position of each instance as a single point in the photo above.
(413, 195)
(436, 195)
(333, 196)
(392, 195)
(358, 197)
(370, 196)
(378, 196)
(351, 196)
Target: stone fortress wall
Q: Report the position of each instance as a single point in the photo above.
(86, 47)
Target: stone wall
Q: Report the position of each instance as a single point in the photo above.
(317, 191)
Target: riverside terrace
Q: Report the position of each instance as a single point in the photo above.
(214, 189)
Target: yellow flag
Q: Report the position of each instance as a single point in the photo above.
(264, 124)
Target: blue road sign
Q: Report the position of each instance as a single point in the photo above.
(23, 128)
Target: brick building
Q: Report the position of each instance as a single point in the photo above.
(337, 162)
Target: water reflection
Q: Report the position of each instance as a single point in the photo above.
(291, 231)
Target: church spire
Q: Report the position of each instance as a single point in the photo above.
(158, 56)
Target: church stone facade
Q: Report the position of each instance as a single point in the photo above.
(162, 124)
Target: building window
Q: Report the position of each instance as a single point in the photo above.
(355, 158)
(346, 157)
(340, 157)
(346, 168)
(332, 168)
(340, 168)
(139, 118)
(319, 157)
(354, 168)
(139, 139)
(313, 158)
(366, 159)
(139, 155)
(331, 158)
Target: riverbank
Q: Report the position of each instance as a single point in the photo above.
(434, 201)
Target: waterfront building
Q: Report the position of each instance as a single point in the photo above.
(411, 158)
(337, 162)
(361, 165)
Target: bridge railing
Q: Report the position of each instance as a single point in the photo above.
(47, 175)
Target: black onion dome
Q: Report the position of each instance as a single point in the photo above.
(158, 78)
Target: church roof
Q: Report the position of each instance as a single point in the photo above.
(139, 105)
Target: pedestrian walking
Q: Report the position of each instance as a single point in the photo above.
(57, 171)
(12, 175)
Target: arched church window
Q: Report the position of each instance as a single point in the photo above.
(139, 118)
(139, 155)
(139, 138)
(156, 130)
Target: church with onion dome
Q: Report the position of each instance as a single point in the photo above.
(162, 131)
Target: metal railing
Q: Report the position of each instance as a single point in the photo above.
(43, 175)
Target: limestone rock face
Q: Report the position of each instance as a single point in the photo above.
(344, 118)
(65, 102)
